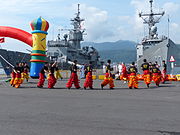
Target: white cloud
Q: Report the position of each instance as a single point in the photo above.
(174, 26)
(22, 4)
(140, 4)
(101, 27)
(171, 7)
(96, 23)
(137, 22)
(127, 19)
(174, 31)
(136, 27)
(25, 8)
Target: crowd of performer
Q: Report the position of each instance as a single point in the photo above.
(19, 73)
(151, 72)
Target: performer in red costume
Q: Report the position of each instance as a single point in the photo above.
(51, 78)
(124, 74)
(73, 78)
(89, 81)
(42, 76)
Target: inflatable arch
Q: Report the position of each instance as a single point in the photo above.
(37, 40)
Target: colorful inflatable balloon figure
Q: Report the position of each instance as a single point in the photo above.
(37, 40)
(38, 55)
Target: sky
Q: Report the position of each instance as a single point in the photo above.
(105, 20)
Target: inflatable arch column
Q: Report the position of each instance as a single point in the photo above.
(38, 55)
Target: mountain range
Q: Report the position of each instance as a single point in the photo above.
(119, 51)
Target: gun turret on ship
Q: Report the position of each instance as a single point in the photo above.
(69, 48)
(154, 47)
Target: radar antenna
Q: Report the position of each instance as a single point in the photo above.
(151, 19)
(78, 13)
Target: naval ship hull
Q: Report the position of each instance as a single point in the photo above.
(159, 52)
(64, 55)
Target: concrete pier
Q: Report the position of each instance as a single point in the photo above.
(33, 111)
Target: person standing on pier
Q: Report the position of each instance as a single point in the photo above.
(89, 81)
(132, 81)
(146, 72)
(74, 77)
(108, 79)
(164, 70)
(157, 65)
(82, 72)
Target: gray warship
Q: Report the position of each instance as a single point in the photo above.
(69, 47)
(154, 47)
(8, 59)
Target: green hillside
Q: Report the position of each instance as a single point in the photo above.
(126, 56)
(119, 51)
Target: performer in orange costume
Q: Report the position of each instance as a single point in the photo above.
(73, 78)
(89, 81)
(156, 75)
(25, 74)
(108, 76)
(52, 80)
(146, 72)
(132, 81)
(13, 76)
(42, 76)
(57, 73)
(164, 70)
(18, 80)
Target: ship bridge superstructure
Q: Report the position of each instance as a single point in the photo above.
(69, 47)
(154, 47)
(152, 39)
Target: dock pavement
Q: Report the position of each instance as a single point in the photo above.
(122, 111)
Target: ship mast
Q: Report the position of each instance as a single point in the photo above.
(76, 34)
(76, 22)
(151, 19)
